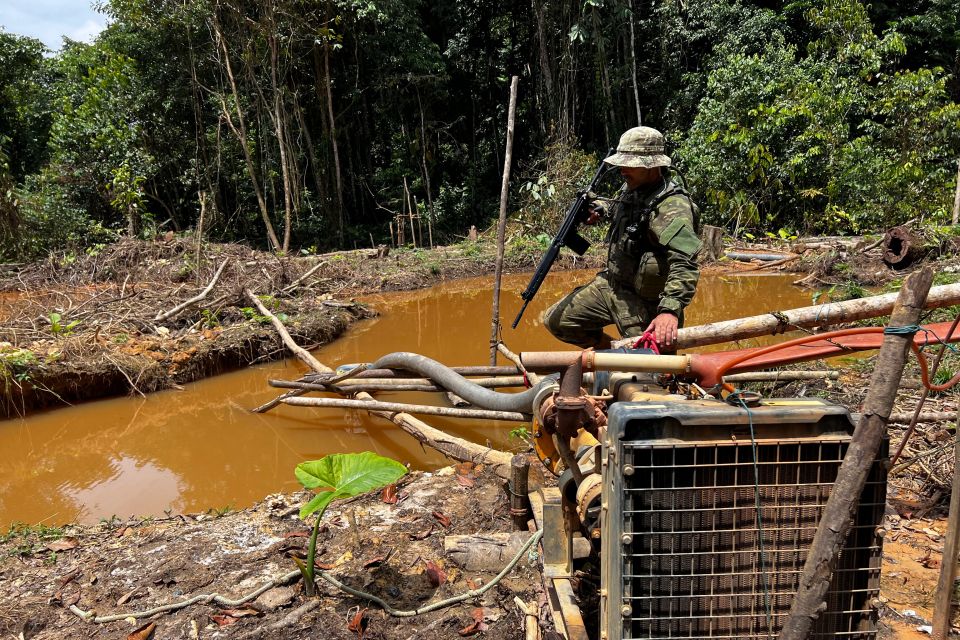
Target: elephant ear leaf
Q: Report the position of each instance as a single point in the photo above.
(344, 475)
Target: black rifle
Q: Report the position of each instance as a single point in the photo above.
(567, 236)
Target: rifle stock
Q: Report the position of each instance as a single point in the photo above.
(567, 236)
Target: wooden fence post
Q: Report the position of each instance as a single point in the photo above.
(839, 511)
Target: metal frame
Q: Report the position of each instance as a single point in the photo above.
(679, 546)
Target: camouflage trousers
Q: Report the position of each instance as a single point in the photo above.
(580, 317)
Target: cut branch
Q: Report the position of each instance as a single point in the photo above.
(166, 315)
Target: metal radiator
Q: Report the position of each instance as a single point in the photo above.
(684, 553)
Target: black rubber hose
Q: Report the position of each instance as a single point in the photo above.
(453, 381)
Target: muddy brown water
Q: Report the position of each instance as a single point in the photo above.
(200, 448)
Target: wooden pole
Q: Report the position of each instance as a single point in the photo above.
(948, 562)
(839, 512)
(956, 196)
(815, 316)
(502, 223)
(413, 231)
(519, 502)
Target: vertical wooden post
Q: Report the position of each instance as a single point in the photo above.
(392, 240)
(413, 231)
(840, 510)
(518, 487)
(502, 223)
(956, 196)
(951, 545)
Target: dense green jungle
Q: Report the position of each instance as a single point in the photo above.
(304, 126)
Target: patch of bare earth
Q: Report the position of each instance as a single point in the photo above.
(393, 551)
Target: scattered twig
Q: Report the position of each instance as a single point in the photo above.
(166, 315)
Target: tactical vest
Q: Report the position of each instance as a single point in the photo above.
(635, 259)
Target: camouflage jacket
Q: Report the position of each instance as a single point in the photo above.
(653, 245)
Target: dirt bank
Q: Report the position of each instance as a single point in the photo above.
(104, 323)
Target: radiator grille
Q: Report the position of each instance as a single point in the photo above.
(693, 568)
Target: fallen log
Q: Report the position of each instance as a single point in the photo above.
(901, 248)
(764, 257)
(839, 511)
(820, 315)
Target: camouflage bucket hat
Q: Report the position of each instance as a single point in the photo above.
(640, 147)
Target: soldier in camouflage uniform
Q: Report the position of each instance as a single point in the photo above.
(652, 271)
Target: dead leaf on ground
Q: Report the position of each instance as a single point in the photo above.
(435, 573)
(463, 468)
(297, 534)
(240, 613)
(359, 623)
(477, 626)
(423, 534)
(378, 560)
(63, 544)
(223, 621)
(127, 596)
(143, 633)
(442, 519)
(466, 481)
(67, 579)
(389, 494)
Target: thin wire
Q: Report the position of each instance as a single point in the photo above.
(737, 396)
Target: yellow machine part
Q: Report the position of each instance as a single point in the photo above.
(546, 449)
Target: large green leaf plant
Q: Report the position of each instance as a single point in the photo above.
(339, 476)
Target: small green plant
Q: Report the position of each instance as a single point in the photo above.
(28, 539)
(522, 434)
(211, 318)
(219, 512)
(250, 313)
(120, 338)
(60, 328)
(339, 476)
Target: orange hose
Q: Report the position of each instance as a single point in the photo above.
(921, 359)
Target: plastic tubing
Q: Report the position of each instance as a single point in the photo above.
(453, 381)
(921, 359)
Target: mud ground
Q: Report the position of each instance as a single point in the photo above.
(394, 551)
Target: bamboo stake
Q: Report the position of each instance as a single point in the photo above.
(948, 563)
(806, 317)
(502, 222)
(413, 232)
(839, 512)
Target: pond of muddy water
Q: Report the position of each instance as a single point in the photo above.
(200, 448)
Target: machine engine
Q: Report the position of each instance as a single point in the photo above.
(701, 511)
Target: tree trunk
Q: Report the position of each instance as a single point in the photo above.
(241, 133)
(281, 143)
(712, 243)
(840, 510)
(633, 66)
(333, 133)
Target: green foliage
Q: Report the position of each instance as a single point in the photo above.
(339, 476)
(29, 539)
(836, 140)
(60, 328)
(557, 176)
